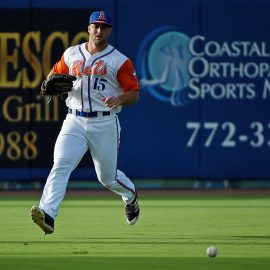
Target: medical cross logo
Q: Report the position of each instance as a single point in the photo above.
(162, 61)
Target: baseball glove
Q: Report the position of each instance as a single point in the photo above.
(57, 85)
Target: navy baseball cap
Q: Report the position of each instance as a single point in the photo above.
(100, 17)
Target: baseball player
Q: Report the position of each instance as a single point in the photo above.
(106, 81)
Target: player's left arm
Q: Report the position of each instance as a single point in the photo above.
(127, 78)
(129, 97)
(125, 99)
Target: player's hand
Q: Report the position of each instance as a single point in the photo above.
(112, 102)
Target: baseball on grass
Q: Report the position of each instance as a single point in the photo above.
(212, 251)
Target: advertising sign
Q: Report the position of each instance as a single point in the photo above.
(203, 68)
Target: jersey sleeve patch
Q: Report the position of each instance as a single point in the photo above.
(126, 76)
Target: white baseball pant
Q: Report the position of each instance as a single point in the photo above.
(101, 135)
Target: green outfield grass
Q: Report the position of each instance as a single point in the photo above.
(173, 233)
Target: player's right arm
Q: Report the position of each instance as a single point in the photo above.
(50, 74)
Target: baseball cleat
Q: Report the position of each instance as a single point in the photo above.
(42, 219)
(132, 211)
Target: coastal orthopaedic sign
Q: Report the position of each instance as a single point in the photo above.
(227, 83)
(171, 63)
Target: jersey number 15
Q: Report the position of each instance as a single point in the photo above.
(99, 84)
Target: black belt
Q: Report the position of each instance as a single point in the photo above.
(87, 114)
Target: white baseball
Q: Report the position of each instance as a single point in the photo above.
(212, 251)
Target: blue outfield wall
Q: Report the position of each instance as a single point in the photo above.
(204, 73)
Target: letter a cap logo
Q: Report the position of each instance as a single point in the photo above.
(101, 17)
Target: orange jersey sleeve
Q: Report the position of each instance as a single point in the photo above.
(126, 76)
(60, 67)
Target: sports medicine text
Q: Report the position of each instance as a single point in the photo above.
(227, 77)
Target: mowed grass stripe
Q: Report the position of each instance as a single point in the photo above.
(171, 234)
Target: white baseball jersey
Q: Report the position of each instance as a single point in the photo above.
(107, 73)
